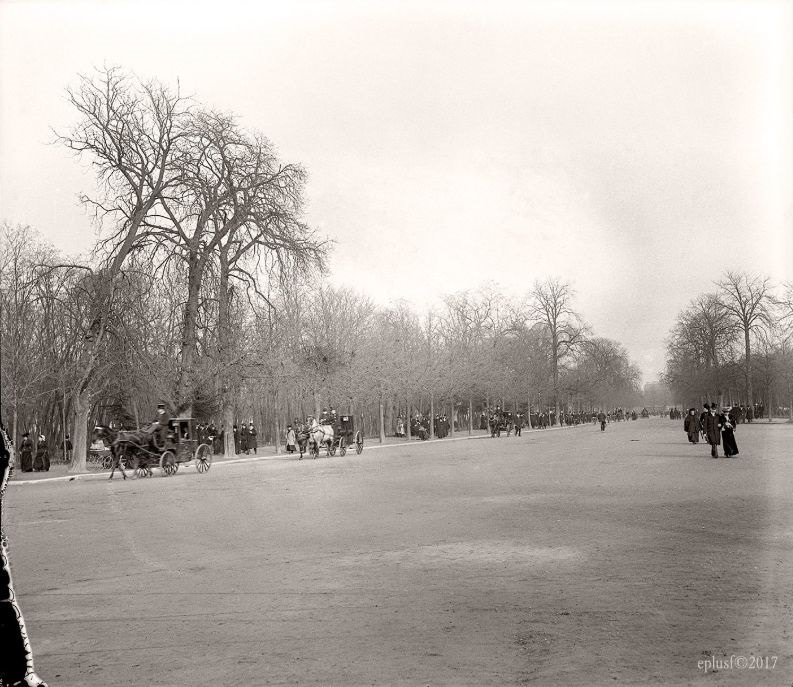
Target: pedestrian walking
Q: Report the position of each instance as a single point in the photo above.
(26, 453)
(291, 439)
(602, 419)
(727, 426)
(252, 434)
(67, 444)
(236, 433)
(691, 426)
(244, 439)
(712, 431)
(41, 463)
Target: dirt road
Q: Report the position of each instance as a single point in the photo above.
(560, 558)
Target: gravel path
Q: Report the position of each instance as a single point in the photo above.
(559, 558)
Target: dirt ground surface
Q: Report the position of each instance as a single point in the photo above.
(569, 557)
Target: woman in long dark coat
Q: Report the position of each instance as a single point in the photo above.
(41, 463)
(252, 437)
(26, 454)
(728, 434)
(691, 426)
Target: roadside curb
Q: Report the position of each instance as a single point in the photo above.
(280, 456)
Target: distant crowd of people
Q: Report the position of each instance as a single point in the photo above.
(741, 413)
(420, 426)
(245, 437)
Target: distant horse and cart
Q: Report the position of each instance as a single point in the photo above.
(334, 435)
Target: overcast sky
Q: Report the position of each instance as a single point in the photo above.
(637, 149)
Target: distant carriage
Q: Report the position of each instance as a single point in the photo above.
(501, 422)
(338, 436)
(345, 436)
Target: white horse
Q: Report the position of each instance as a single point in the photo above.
(319, 435)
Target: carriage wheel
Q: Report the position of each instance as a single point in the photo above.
(107, 462)
(203, 458)
(342, 446)
(140, 468)
(168, 463)
(358, 443)
(332, 449)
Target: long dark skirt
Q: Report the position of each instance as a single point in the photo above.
(728, 441)
(26, 461)
(693, 437)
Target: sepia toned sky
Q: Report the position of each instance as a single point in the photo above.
(637, 149)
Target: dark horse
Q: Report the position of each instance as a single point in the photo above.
(127, 446)
(108, 436)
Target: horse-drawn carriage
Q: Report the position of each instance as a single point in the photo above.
(345, 436)
(164, 447)
(501, 421)
(339, 435)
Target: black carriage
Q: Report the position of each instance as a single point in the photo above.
(178, 443)
(345, 436)
(501, 422)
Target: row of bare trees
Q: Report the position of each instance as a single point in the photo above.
(306, 347)
(205, 290)
(735, 345)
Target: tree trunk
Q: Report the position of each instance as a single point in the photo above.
(470, 416)
(185, 385)
(382, 421)
(748, 363)
(451, 420)
(407, 420)
(432, 416)
(228, 435)
(82, 408)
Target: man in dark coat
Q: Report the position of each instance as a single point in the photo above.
(236, 432)
(252, 437)
(26, 453)
(712, 431)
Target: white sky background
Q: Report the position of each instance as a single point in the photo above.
(637, 149)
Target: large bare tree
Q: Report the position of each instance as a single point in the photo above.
(747, 299)
(551, 306)
(131, 134)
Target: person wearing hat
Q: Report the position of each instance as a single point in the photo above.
(691, 426)
(712, 430)
(727, 426)
(291, 439)
(26, 453)
(158, 429)
(252, 433)
(244, 439)
(41, 463)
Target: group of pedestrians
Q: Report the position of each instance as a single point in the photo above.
(245, 437)
(34, 457)
(716, 428)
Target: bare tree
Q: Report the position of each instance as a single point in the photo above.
(746, 298)
(131, 134)
(551, 305)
